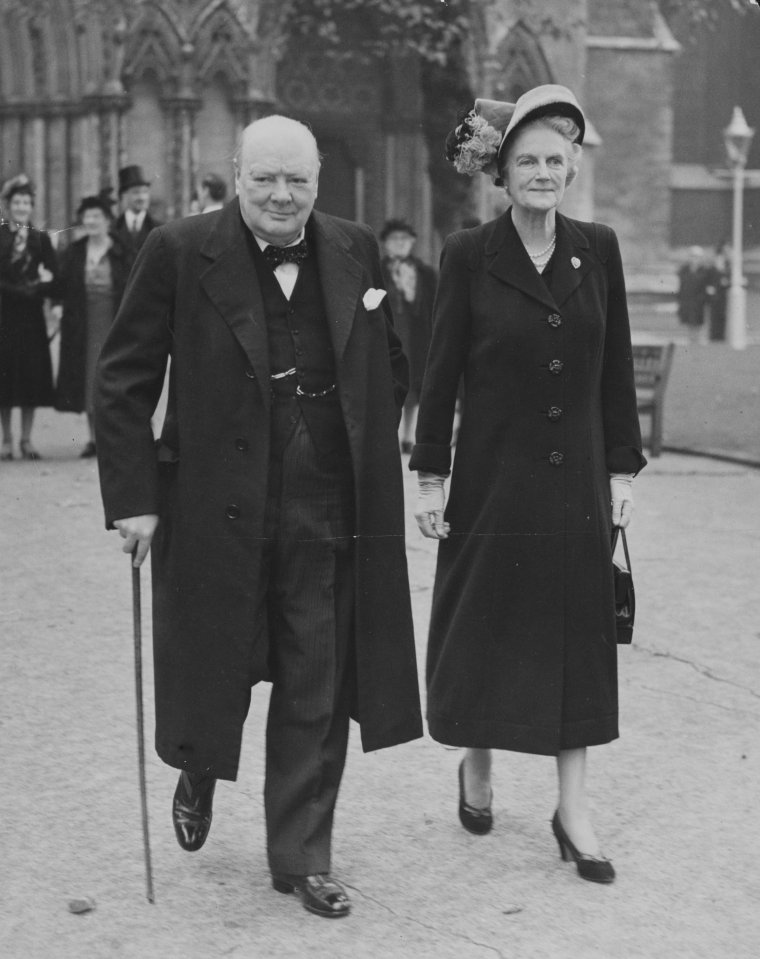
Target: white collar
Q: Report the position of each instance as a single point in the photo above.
(263, 244)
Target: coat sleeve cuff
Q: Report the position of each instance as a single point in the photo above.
(431, 458)
(625, 459)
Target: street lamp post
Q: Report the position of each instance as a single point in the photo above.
(738, 137)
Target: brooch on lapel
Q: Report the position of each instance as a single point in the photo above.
(575, 261)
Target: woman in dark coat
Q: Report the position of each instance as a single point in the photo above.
(531, 309)
(94, 271)
(411, 290)
(27, 270)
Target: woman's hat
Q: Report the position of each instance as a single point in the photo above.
(476, 143)
(550, 99)
(397, 226)
(130, 176)
(99, 201)
(17, 184)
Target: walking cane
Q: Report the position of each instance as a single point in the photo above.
(137, 622)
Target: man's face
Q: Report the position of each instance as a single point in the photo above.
(137, 198)
(276, 179)
(398, 244)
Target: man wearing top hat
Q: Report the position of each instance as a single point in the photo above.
(135, 222)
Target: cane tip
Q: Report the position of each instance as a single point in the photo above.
(81, 904)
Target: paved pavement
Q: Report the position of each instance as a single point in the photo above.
(675, 797)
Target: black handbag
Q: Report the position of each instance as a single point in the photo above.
(625, 597)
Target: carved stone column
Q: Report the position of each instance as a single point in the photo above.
(181, 112)
(106, 113)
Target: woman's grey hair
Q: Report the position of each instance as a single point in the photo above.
(568, 129)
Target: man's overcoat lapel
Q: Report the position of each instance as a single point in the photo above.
(511, 264)
(341, 277)
(241, 304)
(231, 284)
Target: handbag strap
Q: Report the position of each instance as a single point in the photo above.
(619, 530)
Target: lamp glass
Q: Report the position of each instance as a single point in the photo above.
(738, 136)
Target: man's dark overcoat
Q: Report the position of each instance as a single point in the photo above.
(522, 650)
(194, 294)
(72, 292)
(131, 242)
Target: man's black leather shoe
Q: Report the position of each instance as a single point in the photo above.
(191, 809)
(320, 894)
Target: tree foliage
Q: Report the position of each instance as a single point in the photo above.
(370, 29)
(696, 13)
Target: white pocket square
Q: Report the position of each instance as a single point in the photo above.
(373, 298)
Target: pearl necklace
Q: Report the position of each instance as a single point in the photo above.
(550, 249)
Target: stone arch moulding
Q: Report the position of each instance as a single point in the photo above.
(221, 44)
(154, 44)
(522, 64)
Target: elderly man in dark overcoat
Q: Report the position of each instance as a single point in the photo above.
(273, 500)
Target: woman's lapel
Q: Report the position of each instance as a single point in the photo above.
(511, 263)
(571, 260)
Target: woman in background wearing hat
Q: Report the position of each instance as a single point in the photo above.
(94, 271)
(411, 290)
(27, 270)
(531, 310)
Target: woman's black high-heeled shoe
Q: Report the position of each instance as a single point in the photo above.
(477, 821)
(595, 870)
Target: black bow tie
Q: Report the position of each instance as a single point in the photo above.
(275, 255)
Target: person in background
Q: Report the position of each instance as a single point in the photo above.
(93, 274)
(27, 272)
(411, 289)
(531, 309)
(212, 193)
(693, 280)
(718, 281)
(274, 498)
(135, 222)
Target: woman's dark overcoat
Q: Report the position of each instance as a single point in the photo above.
(26, 372)
(72, 292)
(193, 293)
(522, 650)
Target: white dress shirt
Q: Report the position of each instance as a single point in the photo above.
(134, 220)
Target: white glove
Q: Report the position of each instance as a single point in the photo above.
(621, 494)
(430, 502)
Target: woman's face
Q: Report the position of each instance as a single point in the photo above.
(95, 222)
(20, 208)
(535, 172)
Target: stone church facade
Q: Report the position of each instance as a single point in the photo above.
(87, 86)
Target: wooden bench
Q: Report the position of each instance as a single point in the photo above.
(651, 366)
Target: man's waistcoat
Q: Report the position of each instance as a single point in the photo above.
(299, 339)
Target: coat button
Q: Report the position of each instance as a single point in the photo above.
(241, 444)
(556, 459)
(232, 511)
(554, 413)
(554, 319)
(250, 374)
(556, 367)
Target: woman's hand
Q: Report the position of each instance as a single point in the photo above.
(137, 531)
(621, 494)
(431, 500)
